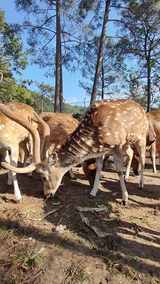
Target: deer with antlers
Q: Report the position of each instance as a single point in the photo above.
(13, 136)
(107, 127)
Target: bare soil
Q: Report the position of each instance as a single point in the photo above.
(47, 242)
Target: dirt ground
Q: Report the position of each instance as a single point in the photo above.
(58, 242)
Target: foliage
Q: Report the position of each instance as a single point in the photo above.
(141, 44)
(11, 52)
(12, 59)
(73, 108)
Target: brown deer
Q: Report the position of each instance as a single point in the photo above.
(13, 136)
(107, 127)
(61, 127)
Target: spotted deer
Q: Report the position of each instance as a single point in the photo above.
(153, 144)
(14, 137)
(107, 127)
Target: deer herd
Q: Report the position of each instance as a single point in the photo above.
(53, 143)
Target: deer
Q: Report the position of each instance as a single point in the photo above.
(154, 118)
(92, 168)
(108, 127)
(13, 136)
(61, 127)
(153, 145)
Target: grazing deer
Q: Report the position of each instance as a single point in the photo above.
(61, 127)
(13, 136)
(108, 127)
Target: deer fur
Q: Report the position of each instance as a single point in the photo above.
(152, 145)
(61, 127)
(93, 167)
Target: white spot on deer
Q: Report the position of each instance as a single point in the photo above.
(108, 133)
(89, 142)
(2, 126)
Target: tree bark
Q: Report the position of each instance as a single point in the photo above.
(100, 52)
(58, 59)
(148, 85)
(102, 94)
(61, 83)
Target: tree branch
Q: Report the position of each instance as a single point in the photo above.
(38, 27)
(47, 20)
(48, 42)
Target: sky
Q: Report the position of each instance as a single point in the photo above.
(73, 93)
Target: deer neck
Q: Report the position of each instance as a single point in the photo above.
(82, 145)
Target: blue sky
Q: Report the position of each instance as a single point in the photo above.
(73, 93)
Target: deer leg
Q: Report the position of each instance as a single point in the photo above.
(118, 159)
(129, 153)
(14, 161)
(141, 148)
(153, 156)
(99, 166)
(7, 158)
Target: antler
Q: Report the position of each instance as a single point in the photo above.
(45, 134)
(35, 135)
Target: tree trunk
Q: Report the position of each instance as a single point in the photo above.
(102, 94)
(58, 59)
(148, 85)
(100, 52)
(61, 84)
